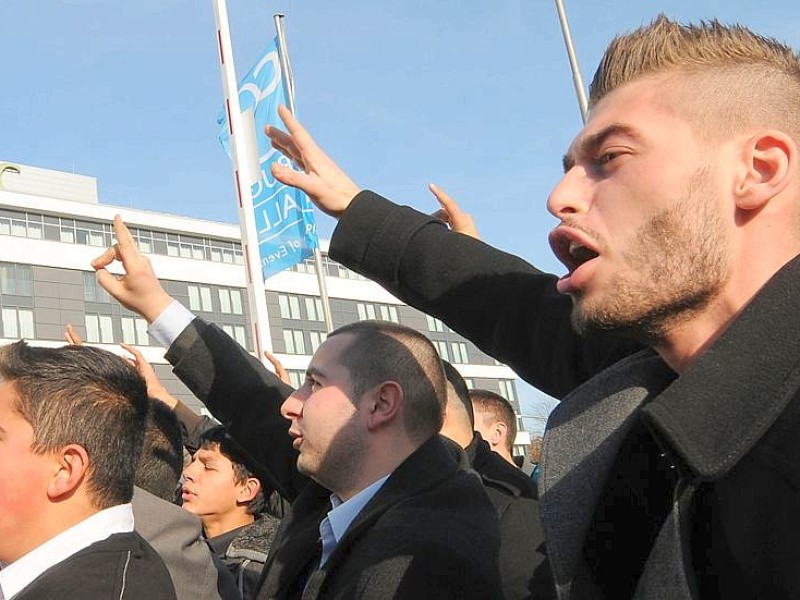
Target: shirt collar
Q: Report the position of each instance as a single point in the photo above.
(344, 513)
(100, 526)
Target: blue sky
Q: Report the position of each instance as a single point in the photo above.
(475, 96)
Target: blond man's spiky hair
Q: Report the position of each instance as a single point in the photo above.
(736, 77)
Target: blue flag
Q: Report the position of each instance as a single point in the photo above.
(284, 215)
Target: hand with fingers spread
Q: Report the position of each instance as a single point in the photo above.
(322, 180)
(72, 336)
(280, 370)
(138, 289)
(451, 213)
(155, 389)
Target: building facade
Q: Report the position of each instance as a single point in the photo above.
(52, 225)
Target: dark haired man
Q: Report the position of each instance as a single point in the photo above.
(228, 497)
(380, 507)
(71, 423)
(524, 571)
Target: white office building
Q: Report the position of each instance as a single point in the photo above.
(52, 225)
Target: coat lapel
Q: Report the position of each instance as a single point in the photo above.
(583, 437)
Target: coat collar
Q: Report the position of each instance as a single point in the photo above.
(713, 414)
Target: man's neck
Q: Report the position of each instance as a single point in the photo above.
(214, 525)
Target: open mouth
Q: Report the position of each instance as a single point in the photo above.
(569, 249)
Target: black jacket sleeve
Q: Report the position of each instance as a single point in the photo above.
(244, 396)
(505, 306)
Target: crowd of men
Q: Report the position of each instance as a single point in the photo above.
(669, 469)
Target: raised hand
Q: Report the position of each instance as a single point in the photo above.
(72, 336)
(280, 370)
(138, 289)
(155, 389)
(322, 180)
(451, 213)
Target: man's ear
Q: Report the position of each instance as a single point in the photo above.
(383, 404)
(248, 490)
(499, 432)
(770, 158)
(72, 465)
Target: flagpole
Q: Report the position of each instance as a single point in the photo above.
(244, 157)
(577, 79)
(288, 80)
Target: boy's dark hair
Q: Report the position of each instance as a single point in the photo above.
(217, 438)
(161, 463)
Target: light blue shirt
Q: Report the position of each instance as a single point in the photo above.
(335, 525)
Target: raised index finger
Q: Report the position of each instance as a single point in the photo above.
(302, 139)
(124, 237)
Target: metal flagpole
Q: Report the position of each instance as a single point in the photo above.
(577, 79)
(288, 80)
(245, 156)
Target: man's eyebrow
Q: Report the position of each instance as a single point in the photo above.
(590, 144)
(312, 371)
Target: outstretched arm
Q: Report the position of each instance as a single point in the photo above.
(237, 388)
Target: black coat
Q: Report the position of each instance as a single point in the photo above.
(728, 426)
(429, 532)
(122, 567)
(524, 570)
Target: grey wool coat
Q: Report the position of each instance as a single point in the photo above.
(729, 425)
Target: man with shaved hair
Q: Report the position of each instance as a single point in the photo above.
(380, 507)
(669, 468)
(495, 421)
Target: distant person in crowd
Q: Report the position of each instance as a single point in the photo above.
(362, 460)
(227, 496)
(524, 571)
(667, 469)
(71, 427)
(495, 421)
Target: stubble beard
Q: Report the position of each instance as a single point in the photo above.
(339, 465)
(677, 266)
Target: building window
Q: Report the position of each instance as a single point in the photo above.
(434, 324)
(383, 312)
(314, 309)
(99, 329)
(237, 332)
(293, 339)
(365, 311)
(290, 306)
(230, 301)
(134, 331)
(316, 338)
(441, 348)
(297, 378)
(93, 291)
(200, 298)
(507, 390)
(15, 280)
(459, 352)
(18, 323)
(389, 313)
(470, 383)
